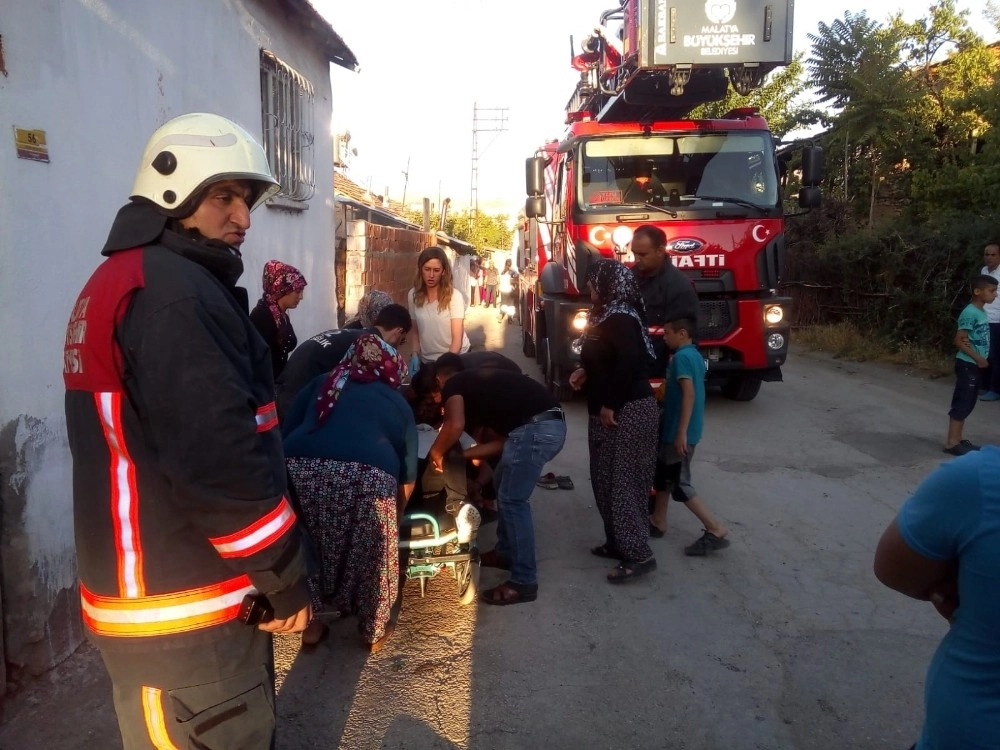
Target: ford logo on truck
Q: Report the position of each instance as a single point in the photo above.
(685, 245)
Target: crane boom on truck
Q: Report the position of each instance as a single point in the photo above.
(631, 157)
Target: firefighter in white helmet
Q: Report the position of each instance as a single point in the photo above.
(190, 554)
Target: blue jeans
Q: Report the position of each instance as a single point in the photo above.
(527, 450)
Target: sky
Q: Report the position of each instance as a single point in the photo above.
(425, 65)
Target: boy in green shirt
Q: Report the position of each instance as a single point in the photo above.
(973, 342)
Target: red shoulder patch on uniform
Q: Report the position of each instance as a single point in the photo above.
(91, 357)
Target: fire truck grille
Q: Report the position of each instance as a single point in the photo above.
(715, 319)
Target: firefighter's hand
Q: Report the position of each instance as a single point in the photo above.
(608, 417)
(294, 624)
(578, 378)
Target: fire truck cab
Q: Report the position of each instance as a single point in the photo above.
(629, 157)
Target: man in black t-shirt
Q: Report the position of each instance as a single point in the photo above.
(667, 293)
(528, 430)
(324, 351)
(476, 360)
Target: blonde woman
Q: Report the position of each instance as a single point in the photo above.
(437, 308)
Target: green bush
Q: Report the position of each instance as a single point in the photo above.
(906, 281)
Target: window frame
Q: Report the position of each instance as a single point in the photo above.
(288, 130)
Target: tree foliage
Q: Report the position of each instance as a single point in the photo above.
(484, 231)
(490, 231)
(779, 100)
(913, 172)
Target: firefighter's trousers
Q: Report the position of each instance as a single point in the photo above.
(216, 696)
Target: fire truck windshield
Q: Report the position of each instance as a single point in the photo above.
(689, 171)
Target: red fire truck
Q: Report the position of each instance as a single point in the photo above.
(630, 158)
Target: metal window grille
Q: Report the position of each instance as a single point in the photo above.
(287, 114)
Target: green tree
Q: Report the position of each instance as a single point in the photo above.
(779, 100)
(482, 230)
(857, 67)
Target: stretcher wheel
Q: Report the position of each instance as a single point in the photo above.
(467, 575)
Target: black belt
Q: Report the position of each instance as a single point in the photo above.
(545, 416)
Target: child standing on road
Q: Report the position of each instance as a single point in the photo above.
(973, 342)
(684, 416)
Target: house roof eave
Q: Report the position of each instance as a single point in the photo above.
(331, 44)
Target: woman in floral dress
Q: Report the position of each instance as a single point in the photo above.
(351, 451)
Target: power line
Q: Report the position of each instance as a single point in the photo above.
(484, 120)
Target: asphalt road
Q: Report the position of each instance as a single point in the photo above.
(783, 641)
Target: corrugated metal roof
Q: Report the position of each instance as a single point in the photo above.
(386, 218)
(345, 190)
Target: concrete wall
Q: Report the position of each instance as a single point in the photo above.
(99, 76)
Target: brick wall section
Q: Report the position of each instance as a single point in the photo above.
(384, 258)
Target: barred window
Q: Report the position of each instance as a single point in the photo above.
(287, 112)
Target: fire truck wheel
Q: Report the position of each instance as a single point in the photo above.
(742, 387)
(560, 389)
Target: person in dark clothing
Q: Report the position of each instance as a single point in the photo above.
(425, 399)
(477, 360)
(528, 429)
(283, 285)
(180, 503)
(624, 416)
(666, 292)
(370, 305)
(324, 351)
(351, 444)
(425, 393)
(668, 295)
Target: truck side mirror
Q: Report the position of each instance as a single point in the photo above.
(534, 173)
(534, 207)
(810, 197)
(812, 166)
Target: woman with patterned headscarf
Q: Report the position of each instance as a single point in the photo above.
(624, 416)
(283, 285)
(351, 452)
(374, 302)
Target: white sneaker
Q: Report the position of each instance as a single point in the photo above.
(467, 521)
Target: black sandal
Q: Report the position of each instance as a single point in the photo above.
(627, 570)
(606, 550)
(509, 593)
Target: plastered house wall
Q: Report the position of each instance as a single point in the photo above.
(98, 76)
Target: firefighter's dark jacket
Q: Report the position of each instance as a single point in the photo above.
(179, 489)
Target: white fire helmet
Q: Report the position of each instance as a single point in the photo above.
(189, 153)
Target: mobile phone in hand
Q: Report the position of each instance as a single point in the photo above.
(255, 609)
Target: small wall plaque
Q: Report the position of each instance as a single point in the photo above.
(31, 144)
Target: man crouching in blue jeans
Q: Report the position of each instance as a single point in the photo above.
(527, 429)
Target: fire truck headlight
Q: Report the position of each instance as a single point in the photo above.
(580, 320)
(774, 315)
(775, 341)
(622, 236)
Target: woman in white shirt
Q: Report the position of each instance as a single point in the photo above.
(437, 308)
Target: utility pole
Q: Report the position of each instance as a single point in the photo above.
(406, 180)
(484, 120)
